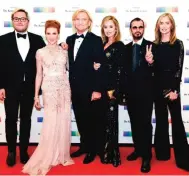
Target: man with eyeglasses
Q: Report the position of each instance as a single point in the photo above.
(17, 82)
(138, 66)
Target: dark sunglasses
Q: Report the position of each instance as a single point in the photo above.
(139, 27)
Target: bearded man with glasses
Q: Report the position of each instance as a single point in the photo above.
(138, 81)
(17, 82)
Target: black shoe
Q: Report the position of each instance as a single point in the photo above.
(89, 158)
(24, 157)
(106, 158)
(133, 156)
(11, 159)
(116, 161)
(145, 167)
(77, 153)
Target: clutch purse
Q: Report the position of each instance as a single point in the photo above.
(165, 92)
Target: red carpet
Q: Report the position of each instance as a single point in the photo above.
(96, 168)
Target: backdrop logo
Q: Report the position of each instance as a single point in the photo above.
(127, 24)
(10, 10)
(126, 121)
(187, 52)
(39, 119)
(68, 24)
(136, 9)
(73, 8)
(127, 40)
(7, 24)
(44, 9)
(167, 9)
(75, 133)
(105, 10)
(186, 107)
(127, 133)
(41, 24)
(188, 24)
(186, 80)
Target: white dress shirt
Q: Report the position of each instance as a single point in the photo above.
(23, 45)
(78, 43)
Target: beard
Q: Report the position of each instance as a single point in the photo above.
(137, 37)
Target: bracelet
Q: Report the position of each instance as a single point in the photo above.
(36, 98)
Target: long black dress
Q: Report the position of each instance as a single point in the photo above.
(114, 54)
(168, 73)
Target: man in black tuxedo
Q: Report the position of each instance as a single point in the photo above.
(85, 48)
(17, 82)
(138, 66)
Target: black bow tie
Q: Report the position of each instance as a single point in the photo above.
(78, 36)
(21, 35)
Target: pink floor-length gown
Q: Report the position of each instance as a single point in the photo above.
(54, 144)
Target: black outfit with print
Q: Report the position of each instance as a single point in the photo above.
(114, 54)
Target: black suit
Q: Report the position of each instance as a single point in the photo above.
(139, 90)
(19, 93)
(84, 80)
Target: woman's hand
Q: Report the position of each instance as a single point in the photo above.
(172, 95)
(37, 104)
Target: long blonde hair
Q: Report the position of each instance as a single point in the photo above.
(116, 23)
(74, 16)
(173, 29)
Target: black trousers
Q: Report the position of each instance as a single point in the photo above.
(90, 119)
(22, 102)
(162, 144)
(140, 105)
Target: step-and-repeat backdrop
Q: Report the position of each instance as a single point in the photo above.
(124, 11)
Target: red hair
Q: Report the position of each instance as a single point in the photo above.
(52, 24)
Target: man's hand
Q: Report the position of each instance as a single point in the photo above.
(95, 96)
(149, 56)
(64, 46)
(96, 65)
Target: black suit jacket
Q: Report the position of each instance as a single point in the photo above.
(13, 67)
(83, 78)
(143, 76)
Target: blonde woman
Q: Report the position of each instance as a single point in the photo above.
(114, 50)
(168, 73)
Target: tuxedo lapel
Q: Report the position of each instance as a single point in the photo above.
(71, 47)
(31, 42)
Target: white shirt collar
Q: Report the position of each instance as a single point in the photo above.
(84, 33)
(139, 42)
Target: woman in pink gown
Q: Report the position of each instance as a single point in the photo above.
(54, 144)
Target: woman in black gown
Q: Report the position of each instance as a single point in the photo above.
(168, 73)
(114, 50)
